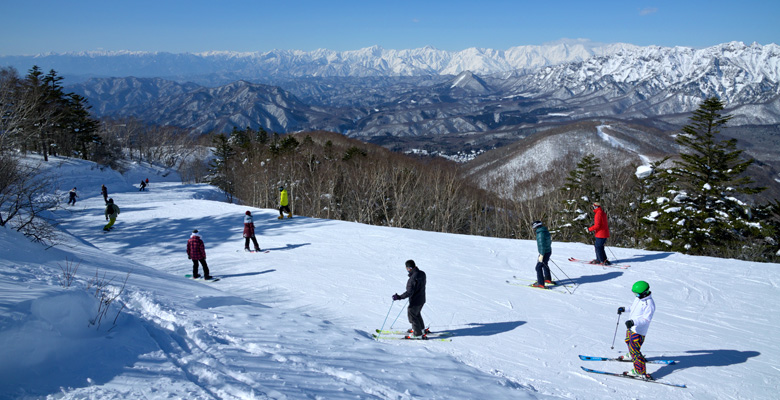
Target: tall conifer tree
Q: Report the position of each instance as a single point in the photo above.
(701, 212)
(584, 185)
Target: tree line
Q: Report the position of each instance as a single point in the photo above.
(699, 202)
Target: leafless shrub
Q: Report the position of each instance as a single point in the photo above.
(106, 294)
(25, 199)
(68, 273)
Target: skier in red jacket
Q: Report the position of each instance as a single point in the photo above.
(249, 232)
(601, 230)
(196, 251)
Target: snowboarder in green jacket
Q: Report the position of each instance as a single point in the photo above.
(112, 211)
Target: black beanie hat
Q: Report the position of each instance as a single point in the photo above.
(410, 264)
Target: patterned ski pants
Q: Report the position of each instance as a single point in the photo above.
(634, 342)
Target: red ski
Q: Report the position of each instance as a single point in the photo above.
(611, 265)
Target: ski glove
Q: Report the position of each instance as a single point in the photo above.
(629, 324)
(396, 297)
(541, 258)
(621, 310)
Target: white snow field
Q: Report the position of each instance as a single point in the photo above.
(296, 323)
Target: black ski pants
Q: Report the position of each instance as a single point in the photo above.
(415, 318)
(195, 268)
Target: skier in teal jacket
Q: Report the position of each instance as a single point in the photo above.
(544, 245)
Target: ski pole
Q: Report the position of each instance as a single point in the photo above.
(564, 273)
(615, 336)
(614, 258)
(558, 280)
(388, 314)
(396, 318)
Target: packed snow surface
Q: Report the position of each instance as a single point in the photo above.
(296, 322)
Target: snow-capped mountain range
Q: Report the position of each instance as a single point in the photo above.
(206, 67)
(665, 80)
(476, 98)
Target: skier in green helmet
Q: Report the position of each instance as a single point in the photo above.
(639, 317)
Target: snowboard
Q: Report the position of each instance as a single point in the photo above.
(213, 278)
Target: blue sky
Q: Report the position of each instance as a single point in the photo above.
(31, 27)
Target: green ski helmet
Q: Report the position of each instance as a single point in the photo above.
(640, 287)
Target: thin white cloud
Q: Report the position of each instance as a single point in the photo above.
(648, 11)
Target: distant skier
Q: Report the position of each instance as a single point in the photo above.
(415, 291)
(284, 203)
(640, 314)
(147, 181)
(196, 251)
(143, 186)
(112, 211)
(104, 192)
(544, 245)
(249, 232)
(601, 230)
(72, 197)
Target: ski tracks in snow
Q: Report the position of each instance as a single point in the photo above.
(226, 352)
(188, 348)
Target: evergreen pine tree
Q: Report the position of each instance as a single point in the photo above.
(645, 194)
(584, 185)
(219, 166)
(239, 138)
(261, 136)
(80, 128)
(700, 212)
(55, 102)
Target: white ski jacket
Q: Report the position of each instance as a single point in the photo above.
(641, 312)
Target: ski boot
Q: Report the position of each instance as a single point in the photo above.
(635, 374)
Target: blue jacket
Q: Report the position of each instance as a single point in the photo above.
(543, 240)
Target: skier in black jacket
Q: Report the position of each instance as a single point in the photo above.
(415, 291)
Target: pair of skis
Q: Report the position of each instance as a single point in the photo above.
(527, 283)
(625, 374)
(611, 265)
(382, 334)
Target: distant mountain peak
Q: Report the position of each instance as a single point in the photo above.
(468, 81)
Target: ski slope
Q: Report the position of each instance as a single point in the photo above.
(296, 323)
